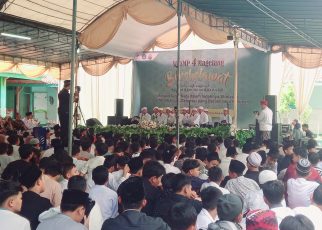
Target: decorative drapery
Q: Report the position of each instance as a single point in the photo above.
(29, 70)
(104, 28)
(93, 67)
(308, 58)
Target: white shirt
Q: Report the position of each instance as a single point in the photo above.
(226, 118)
(63, 184)
(116, 178)
(213, 184)
(90, 165)
(171, 169)
(12, 221)
(15, 153)
(224, 165)
(186, 119)
(4, 161)
(79, 164)
(48, 153)
(255, 200)
(195, 119)
(107, 200)
(171, 119)
(30, 123)
(86, 154)
(204, 219)
(162, 119)
(265, 119)
(242, 157)
(145, 117)
(61, 222)
(222, 151)
(313, 213)
(282, 212)
(203, 118)
(299, 192)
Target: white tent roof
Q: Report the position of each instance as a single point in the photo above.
(58, 12)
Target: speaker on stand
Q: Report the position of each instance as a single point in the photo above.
(276, 134)
(118, 119)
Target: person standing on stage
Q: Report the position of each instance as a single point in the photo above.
(265, 120)
(186, 116)
(226, 118)
(63, 111)
(155, 114)
(194, 117)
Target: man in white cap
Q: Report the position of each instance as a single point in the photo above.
(155, 114)
(203, 116)
(255, 200)
(162, 118)
(171, 117)
(185, 116)
(195, 117)
(254, 160)
(225, 118)
(209, 117)
(144, 116)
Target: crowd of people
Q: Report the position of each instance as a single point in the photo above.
(187, 117)
(147, 183)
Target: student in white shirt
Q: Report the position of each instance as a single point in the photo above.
(4, 158)
(273, 195)
(13, 139)
(10, 204)
(117, 177)
(106, 198)
(300, 190)
(215, 177)
(168, 158)
(68, 170)
(208, 214)
(92, 163)
(314, 211)
(86, 145)
(77, 159)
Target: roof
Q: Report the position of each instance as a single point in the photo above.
(286, 22)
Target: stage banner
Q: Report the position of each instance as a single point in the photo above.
(207, 79)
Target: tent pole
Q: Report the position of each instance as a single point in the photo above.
(179, 12)
(72, 79)
(236, 81)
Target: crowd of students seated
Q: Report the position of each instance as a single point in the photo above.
(147, 183)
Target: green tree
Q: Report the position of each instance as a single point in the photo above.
(287, 101)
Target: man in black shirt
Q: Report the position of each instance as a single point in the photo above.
(63, 111)
(32, 203)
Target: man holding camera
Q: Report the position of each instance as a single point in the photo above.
(265, 120)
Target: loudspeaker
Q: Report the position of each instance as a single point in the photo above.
(276, 134)
(115, 120)
(119, 107)
(93, 122)
(272, 104)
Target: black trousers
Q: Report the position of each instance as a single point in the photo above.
(64, 121)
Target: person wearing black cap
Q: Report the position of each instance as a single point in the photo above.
(63, 111)
(132, 199)
(73, 207)
(238, 184)
(32, 203)
(229, 209)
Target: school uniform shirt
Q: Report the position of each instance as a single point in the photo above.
(79, 164)
(4, 161)
(15, 153)
(60, 222)
(224, 165)
(90, 165)
(204, 219)
(32, 206)
(64, 184)
(86, 154)
(282, 212)
(299, 192)
(48, 153)
(312, 212)
(116, 178)
(107, 200)
(12, 221)
(171, 169)
(53, 191)
(213, 184)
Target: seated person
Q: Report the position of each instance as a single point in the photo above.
(191, 168)
(183, 216)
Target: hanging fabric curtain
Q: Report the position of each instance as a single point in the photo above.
(6, 66)
(32, 71)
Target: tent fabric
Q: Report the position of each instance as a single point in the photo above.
(307, 58)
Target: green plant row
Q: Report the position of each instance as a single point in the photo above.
(223, 131)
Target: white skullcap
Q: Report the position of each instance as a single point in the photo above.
(225, 108)
(254, 159)
(144, 108)
(156, 107)
(194, 109)
(266, 175)
(185, 108)
(200, 107)
(168, 108)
